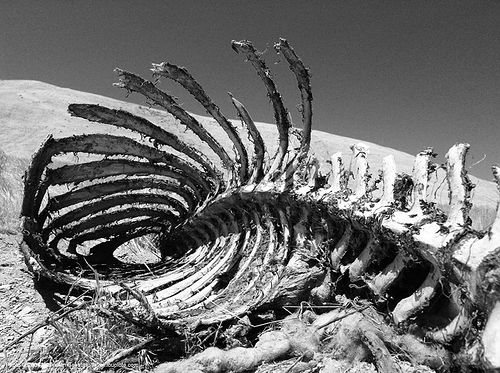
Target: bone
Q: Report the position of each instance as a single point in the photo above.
(267, 270)
(358, 267)
(98, 191)
(381, 282)
(360, 170)
(420, 178)
(256, 138)
(33, 179)
(116, 230)
(474, 256)
(494, 232)
(304, 84)
(135, 83)
(108, 218)
(453, 330)
(490, 339)
(206, 279)
(117, 167)
(335, 180)
(116, 145)
(181, 272)
(419, 299)
(243, 237)
(207, 271)
(303, 80)
(123, 119)
(184, 78)
(337, 170)
(389, 178)
(224, 299)
(252, 259)
(340, 248)
(311, 177)
(313, 173)
(280, 112)
(459, 186)
(96, 207)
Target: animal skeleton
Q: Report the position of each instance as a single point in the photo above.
(240, 233)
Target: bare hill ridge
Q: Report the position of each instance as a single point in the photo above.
(31, 110)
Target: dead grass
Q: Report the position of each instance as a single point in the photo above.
(82, 341)
(11, 191)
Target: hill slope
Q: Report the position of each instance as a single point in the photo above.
(31, 110)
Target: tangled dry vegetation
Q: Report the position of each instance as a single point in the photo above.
(258, 263)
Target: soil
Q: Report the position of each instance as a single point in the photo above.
(21, 306)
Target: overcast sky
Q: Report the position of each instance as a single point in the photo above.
(403, 74)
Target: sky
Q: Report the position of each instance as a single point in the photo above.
(403, 74)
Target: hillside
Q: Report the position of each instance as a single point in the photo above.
(31, 110)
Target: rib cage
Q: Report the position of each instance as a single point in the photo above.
(254, 232)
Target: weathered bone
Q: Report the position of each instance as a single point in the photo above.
(360, 170)
(476, 264)
(304, 84)
(383, 280)
(358, 268)
(257, 238)
(280, 112)
(335, 180)
(135, 83)
(184, 78)
(312, 176)
(259, 146)
(420, 180)
(389, 178)
(419, 299)
(340, 248)
(459, 186)
(123, 119)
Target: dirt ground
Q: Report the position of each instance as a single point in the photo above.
(21, 307)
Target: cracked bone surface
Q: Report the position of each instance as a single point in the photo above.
(234, 232)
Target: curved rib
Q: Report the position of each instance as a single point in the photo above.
(184, 78)
(419, 299)
(124, 119)
(280, 112)
(135, 83)
(115, 167)
(97, 191)
(304, 83)
(107, 218)
(110, 202)
(256, 138)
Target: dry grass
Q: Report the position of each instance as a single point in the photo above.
(82, 341)
(11, 191)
